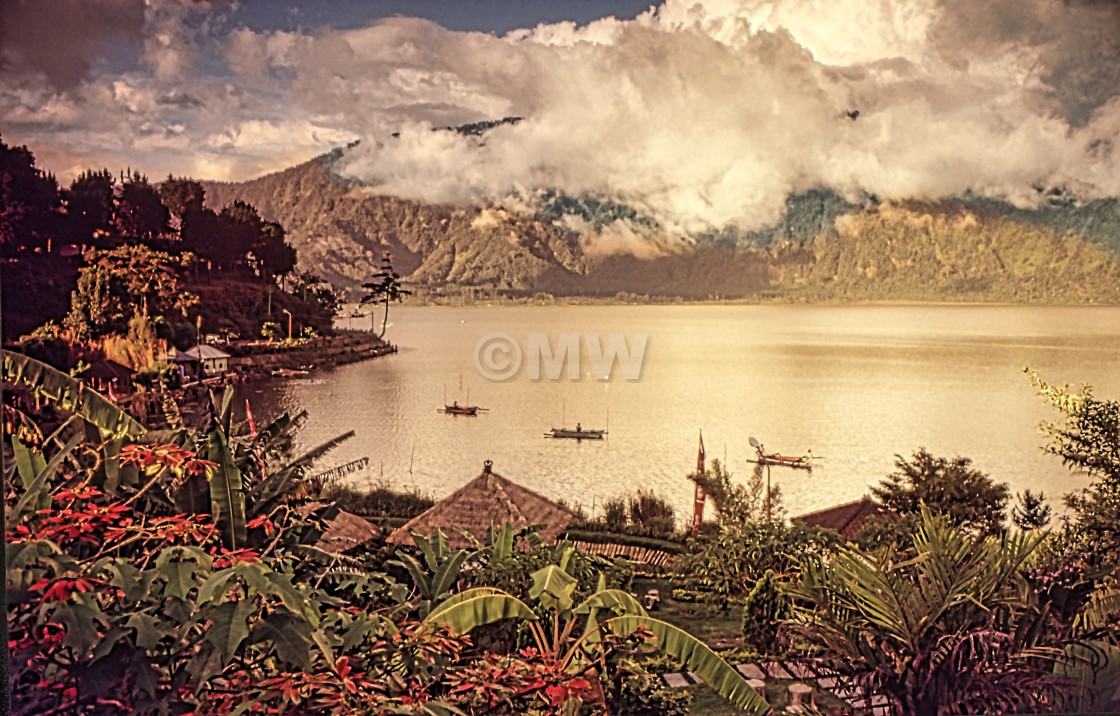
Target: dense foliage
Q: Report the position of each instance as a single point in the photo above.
(726, 565)
(155, 573)
(957, 629)
(124, 246)
(1087, 439)
(947, 486)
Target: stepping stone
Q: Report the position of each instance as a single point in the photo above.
(827, 682)
(675, 680)
(800, 695)
(695, 679)
(800, 671)
(778, 671)
(758, 686)
(751, 671)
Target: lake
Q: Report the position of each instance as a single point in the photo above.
(854, 384)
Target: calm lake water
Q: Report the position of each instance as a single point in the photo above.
(855, 384)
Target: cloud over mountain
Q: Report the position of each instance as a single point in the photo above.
(697, 113)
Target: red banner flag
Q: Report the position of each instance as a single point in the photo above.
(252, 423)
(698, 503)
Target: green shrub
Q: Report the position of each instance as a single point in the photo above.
(381, 500)
(763, 612)
(636, 689)
(614, 514)
(651, 513)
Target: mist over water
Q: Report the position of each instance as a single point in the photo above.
(854, 384)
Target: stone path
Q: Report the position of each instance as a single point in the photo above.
(792, 671)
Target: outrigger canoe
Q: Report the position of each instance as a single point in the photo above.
(461, 409)
(576, 434)
(802, 462)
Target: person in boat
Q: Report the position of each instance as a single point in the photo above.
(455, 404)
(578, 428)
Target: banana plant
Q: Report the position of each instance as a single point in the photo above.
(69, 393)
(572, 634)
(435, 577)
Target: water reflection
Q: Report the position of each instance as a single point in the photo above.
(854, 384)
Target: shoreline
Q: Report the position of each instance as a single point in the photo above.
(590, 301)
(345, 347)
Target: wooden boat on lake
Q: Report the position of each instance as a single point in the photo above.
(456, 409)
(799, 462)
(576, 434)
(289, 372)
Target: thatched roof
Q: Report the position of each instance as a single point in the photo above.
(346, 530)
(488, 500)
(847, 519)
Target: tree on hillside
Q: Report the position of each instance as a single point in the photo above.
(89, 207)
(270, 255)
(222, 239)
(140, 214)
(385, 288)
(29, 201)
(181, 195)
(310, 287)
(951, 487)
(123, 282)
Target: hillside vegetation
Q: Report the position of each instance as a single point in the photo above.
(823, 248)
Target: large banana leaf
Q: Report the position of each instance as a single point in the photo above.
(70, 394)
(435, 550)
(553, 587)
(227, 494)
(697, 657)
(29, 461)
(500, 542)
(38, 488)
(463, 615)
(464, 596)
(615, 599)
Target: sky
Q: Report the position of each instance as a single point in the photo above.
(701, 113)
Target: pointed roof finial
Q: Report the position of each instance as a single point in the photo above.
(487, 465)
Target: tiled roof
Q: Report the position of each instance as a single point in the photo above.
(847, 519)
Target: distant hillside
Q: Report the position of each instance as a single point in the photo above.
(822, 249)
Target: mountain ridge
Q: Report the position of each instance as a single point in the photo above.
(824, 248)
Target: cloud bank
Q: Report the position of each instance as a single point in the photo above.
(700, 114)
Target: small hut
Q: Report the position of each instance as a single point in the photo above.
(488, 500)
(847, 519)
(107, 376)
(198, 361)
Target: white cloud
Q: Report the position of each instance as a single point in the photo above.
(698, 113)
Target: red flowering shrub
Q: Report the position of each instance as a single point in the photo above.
(116, 611)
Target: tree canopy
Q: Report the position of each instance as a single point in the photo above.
(947, 486)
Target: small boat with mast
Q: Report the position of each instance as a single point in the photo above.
(798, 462)
(455, 409)
(578, 433)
